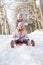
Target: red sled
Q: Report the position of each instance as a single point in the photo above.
(20, 44)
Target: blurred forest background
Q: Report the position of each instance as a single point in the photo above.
(31, 9)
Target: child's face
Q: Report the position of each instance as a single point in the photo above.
(19, 18)
(20, 28)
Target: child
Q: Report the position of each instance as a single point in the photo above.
(20, 36)
(19, 19)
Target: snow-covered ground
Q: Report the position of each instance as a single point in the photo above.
(22, 55)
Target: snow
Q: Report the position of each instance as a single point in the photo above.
(38, 3)
(22, 55)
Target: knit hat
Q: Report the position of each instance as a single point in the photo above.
(20, 25)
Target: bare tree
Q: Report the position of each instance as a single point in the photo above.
(3, 19)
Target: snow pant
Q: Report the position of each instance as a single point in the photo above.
(25, 41)
(18, 41)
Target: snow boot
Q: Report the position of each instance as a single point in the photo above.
(33, 42)
(12, 44)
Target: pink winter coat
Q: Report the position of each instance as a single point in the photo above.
(20, 34)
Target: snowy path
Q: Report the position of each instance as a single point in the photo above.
(22, 55)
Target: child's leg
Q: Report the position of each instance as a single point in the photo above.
(25, 41)
(18, 42)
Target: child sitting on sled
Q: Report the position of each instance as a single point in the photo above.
(20, 36)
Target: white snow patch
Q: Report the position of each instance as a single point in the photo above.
(22, 55)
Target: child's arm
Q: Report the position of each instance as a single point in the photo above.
(26, 35)
(14, 36)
